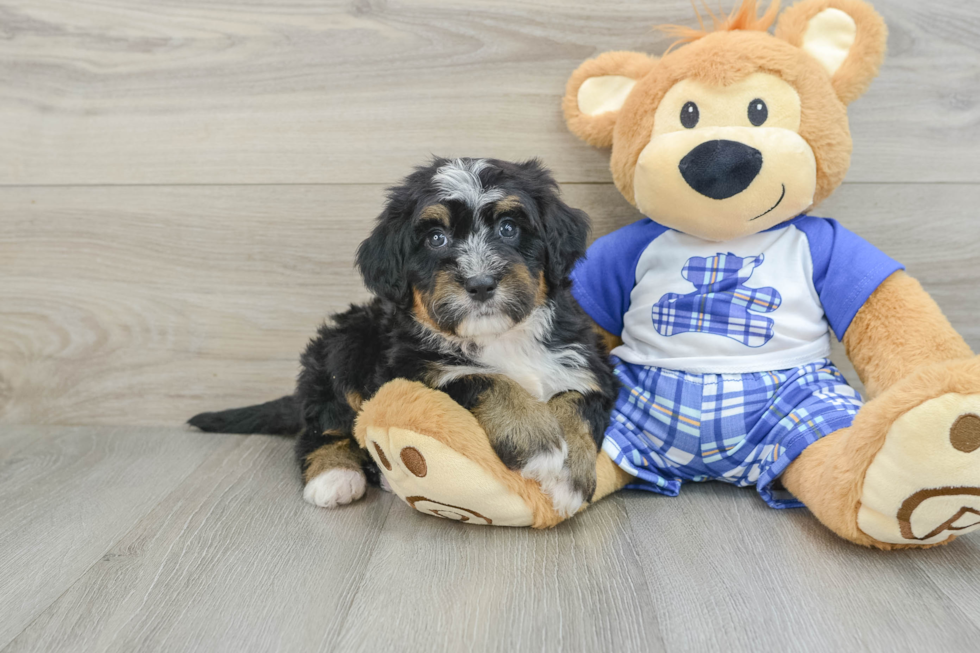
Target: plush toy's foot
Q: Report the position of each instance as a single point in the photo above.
(924, 484)
(439, 481)
(434, 455)
(907, 472)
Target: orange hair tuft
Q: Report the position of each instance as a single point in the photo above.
(744, 17)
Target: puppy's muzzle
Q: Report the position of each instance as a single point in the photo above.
(481, 287)
(721, 169)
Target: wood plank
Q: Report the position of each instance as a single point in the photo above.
(731, 574)
(442, 586)
(191, 91)
(953, 570)
(69, 494)
(233, 560)
(146, 305)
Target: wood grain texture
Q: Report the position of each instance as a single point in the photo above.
(68, 494)
(437, 585)
(730, 573)
(146, 305)
(192, 91)
(234, 560)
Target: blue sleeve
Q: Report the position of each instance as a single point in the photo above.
(846, 269)
(603, 280)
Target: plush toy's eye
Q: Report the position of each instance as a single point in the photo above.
(508, 229)
(758, 112)
(436, 239)
(690, 115)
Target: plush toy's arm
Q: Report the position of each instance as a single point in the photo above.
(899, 330)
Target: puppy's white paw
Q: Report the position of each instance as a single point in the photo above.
(385, 485)
(546, 464)
(335, 487)
(549, 470)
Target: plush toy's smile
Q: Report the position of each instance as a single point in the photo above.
(778, 202)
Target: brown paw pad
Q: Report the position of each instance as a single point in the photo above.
(381, 456)
(960, 503)
(414, 461)
(964, 435)
(446, 511)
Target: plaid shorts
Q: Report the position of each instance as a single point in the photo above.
(669, 427)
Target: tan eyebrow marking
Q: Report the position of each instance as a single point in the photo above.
(437, 212)
(509, 203)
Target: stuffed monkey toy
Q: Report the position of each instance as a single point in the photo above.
(721, 301)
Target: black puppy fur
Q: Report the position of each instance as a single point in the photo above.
(469, 265)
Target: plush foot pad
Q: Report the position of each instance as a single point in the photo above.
(437, 480)
(335, 487)
(923, 487)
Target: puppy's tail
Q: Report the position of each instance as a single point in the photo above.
(279, 417)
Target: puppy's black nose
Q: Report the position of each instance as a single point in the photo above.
(721, 169)
(481, 288)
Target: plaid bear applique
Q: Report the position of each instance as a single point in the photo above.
(721, 304)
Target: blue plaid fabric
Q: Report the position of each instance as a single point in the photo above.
(669, 426)
(722, 303)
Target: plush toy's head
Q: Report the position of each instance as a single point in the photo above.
(738, 130)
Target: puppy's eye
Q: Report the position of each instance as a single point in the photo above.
(508, 229)
(436, 239)
(690, 115)
(758, 112)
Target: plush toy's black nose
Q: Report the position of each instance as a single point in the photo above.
(481, 287)
(721, 169)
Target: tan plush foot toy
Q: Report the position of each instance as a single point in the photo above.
(434, 455)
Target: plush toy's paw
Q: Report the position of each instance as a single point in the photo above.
(439, 481)
(923, 486)
(335, 487)
(435, 456)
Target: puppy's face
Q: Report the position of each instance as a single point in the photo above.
(473, 246)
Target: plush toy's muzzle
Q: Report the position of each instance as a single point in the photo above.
(720, 169)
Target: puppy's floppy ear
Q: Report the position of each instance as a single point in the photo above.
(382, 257)
(847, 37)
(597, 90)
(566, 232)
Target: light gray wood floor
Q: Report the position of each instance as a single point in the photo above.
(182, 186)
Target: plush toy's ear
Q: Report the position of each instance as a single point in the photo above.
(847, 37)
(596, 91)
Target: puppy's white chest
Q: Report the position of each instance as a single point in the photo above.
(539, 370)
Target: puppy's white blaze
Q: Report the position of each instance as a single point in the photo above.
(477, 257)
(548, 469)
(460, 180)
(335, 487)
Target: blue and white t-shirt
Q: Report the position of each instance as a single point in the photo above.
(757, 303)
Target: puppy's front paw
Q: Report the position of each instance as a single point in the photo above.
(549, 469)
(335, 487)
